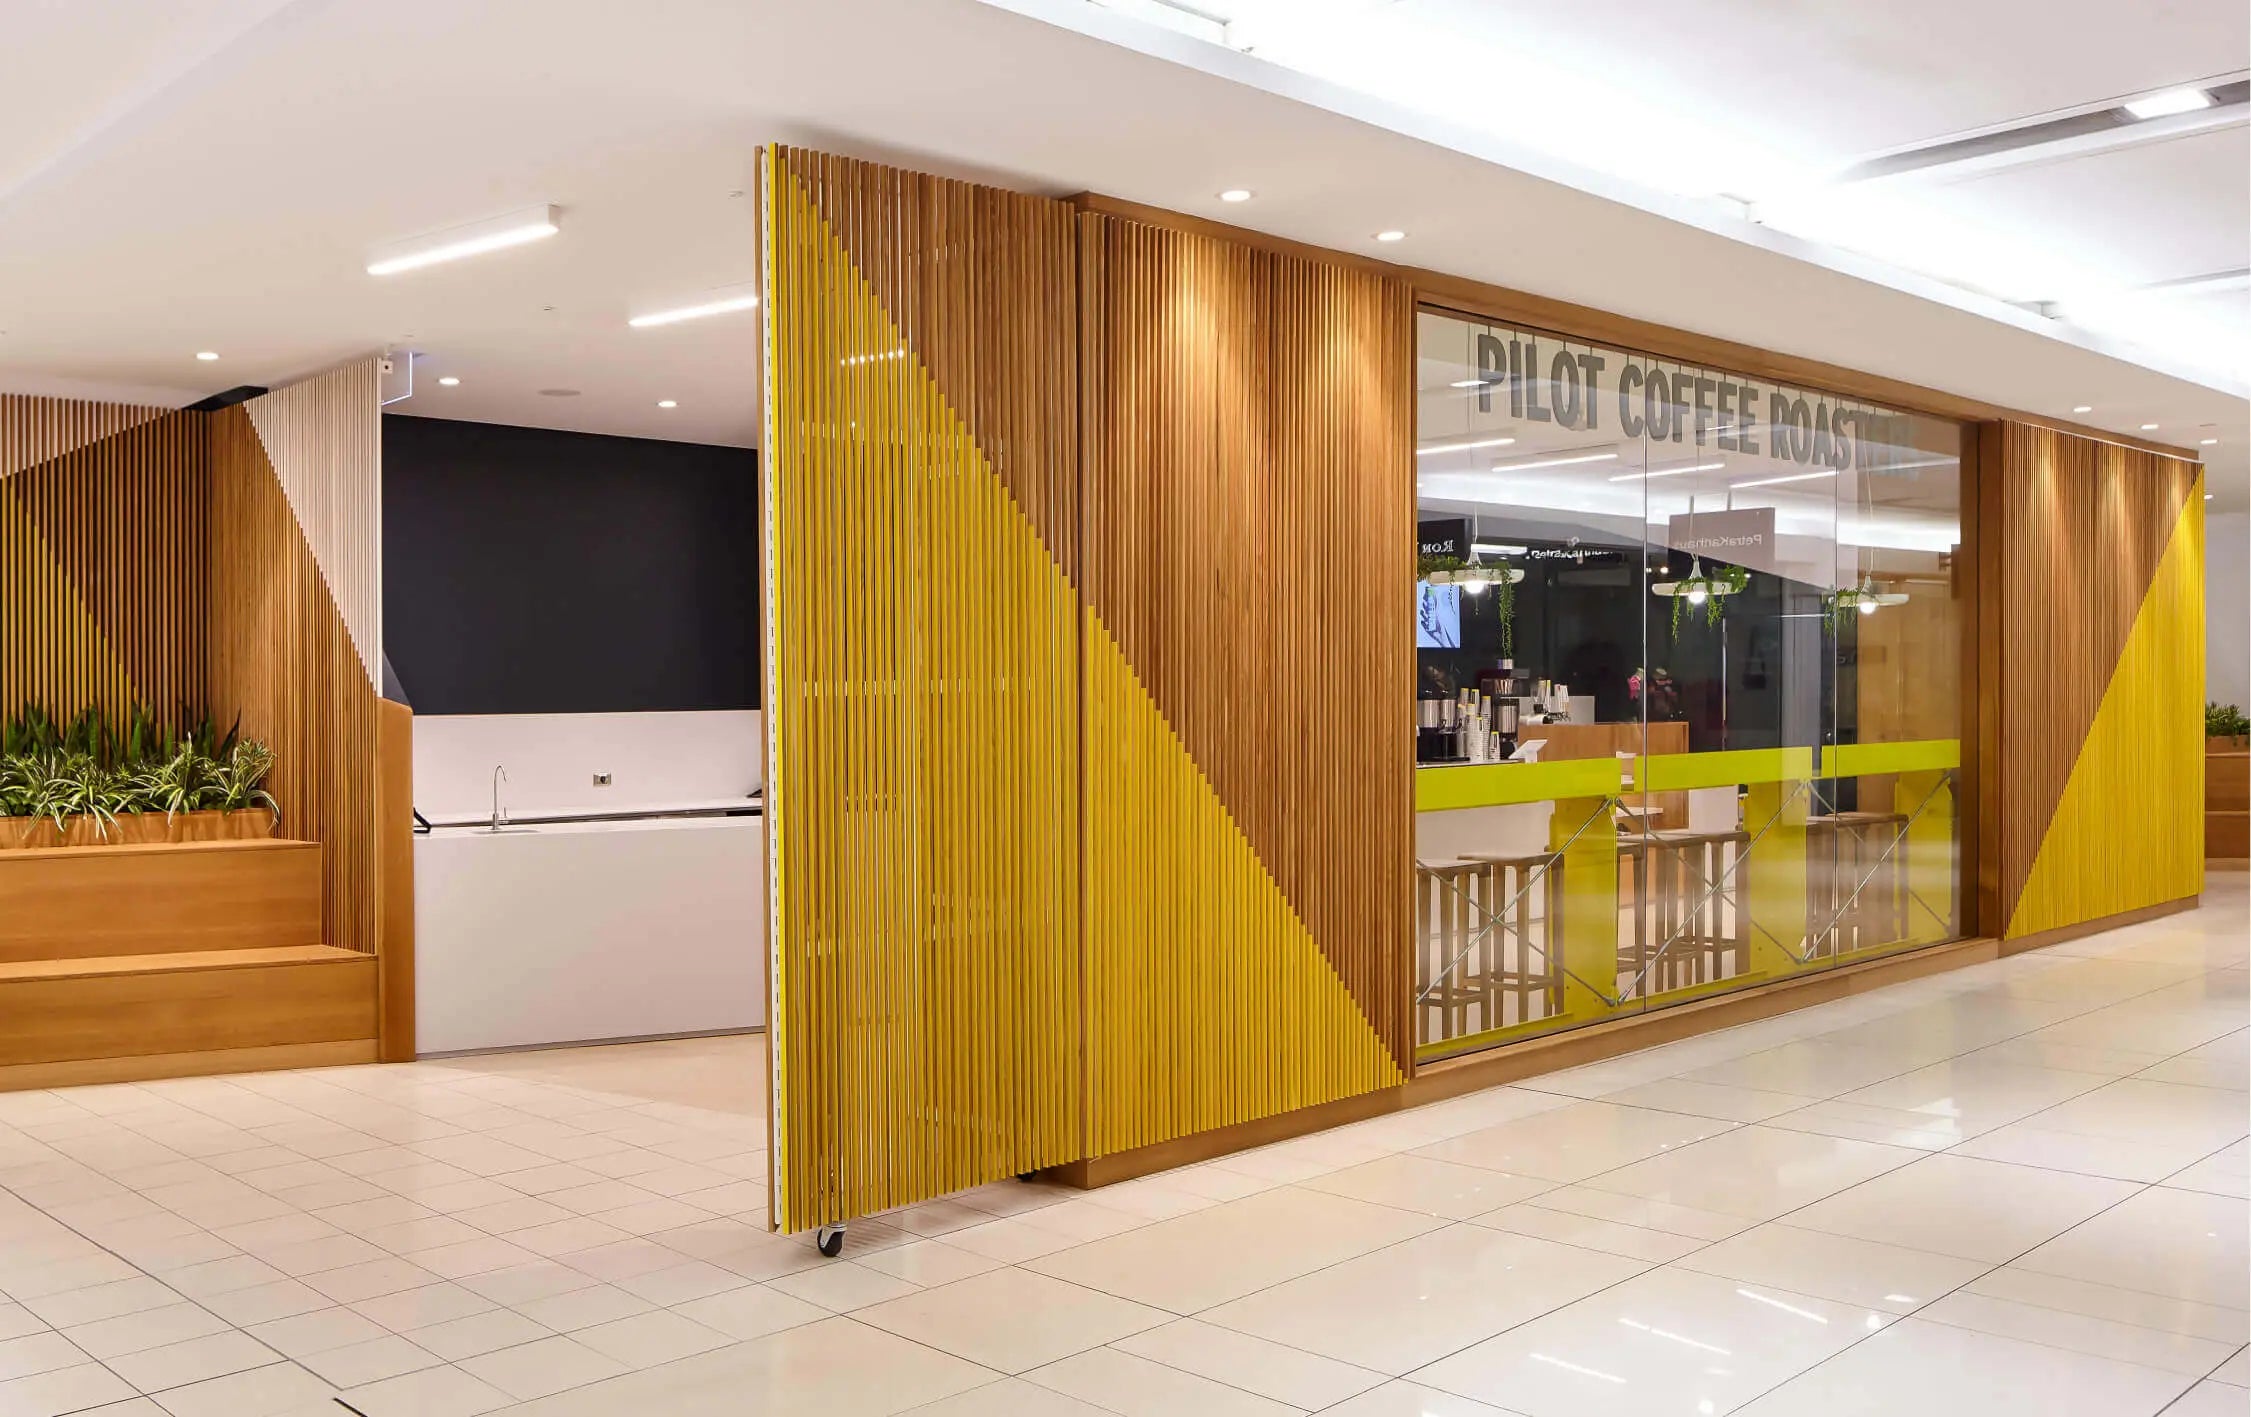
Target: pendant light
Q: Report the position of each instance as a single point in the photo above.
(1696, 587)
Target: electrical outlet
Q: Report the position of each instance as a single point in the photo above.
(601, 779)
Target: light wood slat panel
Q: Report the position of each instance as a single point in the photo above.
(921, 693)
(323, 438)
(103, 582)
(280, 650)
(1248, 492)
(2100, 677)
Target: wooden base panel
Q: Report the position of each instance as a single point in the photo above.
(2044, 938)
(259, 1004)
(1434, 1082)
(2227, 863)
(83, 902)
(148, 1067)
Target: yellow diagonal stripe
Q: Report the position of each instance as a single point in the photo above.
(1212, 1003)
(2127, 831)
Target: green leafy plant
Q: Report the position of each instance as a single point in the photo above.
(97, 768)
(2225, 721)
(1498, 576)
(1716, 587)
(238, 778)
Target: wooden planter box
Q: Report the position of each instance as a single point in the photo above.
(138, 829)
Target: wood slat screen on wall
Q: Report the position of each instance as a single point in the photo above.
(1248, 482)
(2100, 584)
(922, 684)
(103, 557)
(295, 530)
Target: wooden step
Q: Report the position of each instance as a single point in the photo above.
(79, 902)
(2227, 835)
(170, 962)
(173, 1002)
(2227, 782)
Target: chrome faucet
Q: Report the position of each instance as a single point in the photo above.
(499, 813)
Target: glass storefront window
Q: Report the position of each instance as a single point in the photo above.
(1689, 655)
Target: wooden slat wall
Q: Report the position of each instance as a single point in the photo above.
(1248, 481)
(2097, 662)
(921, 689)
(103, 549)
(281, 650)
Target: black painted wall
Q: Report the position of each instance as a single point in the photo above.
(531, 571)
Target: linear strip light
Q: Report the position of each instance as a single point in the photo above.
(1465, 447)
(2167, 102)
(1778, 481)
(724, 306)
(1554, 462)
(1182, 19)
(1668, 471)
(474, 239)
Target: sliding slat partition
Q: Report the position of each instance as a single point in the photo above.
(1248, 479)
(922, 685)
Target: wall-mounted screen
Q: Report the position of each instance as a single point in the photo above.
(1438, 616)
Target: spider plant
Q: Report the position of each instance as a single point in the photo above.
(238, 777)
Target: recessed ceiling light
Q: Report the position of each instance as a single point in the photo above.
(2149, 428)
(206, 355)
(2208, 442)
(2167, 102)
(1391, 236)
(1473, 383)
(474, 239)
(668, 403)
(2083, 408)
(449, 380)
(718, 305)
(1236, 194)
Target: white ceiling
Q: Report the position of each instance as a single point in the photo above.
(180, 175)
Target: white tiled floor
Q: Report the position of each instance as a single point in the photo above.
(2017, 1189)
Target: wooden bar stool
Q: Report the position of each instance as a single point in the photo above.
(1696, 906)
(1525, 969)
(1634, 952)
(1867, 852)
(1452, 903)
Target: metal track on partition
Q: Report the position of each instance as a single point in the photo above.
(922, 685)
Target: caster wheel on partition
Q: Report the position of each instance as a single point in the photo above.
(829, 1240)
(1027, 1176)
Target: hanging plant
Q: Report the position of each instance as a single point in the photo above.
(1842, 604)
(1708, 589)
(1476, 578)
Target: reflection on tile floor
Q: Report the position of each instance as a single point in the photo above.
(2016, 1189)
